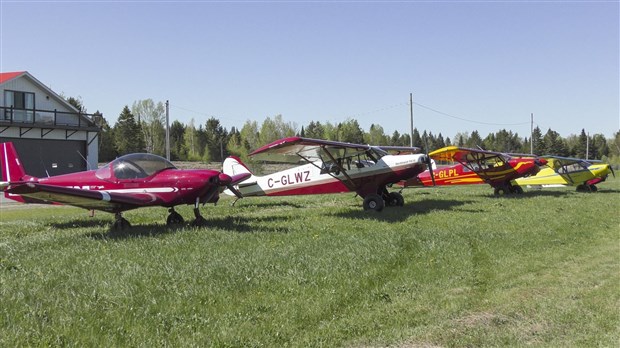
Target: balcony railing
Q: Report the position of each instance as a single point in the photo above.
(47, 118)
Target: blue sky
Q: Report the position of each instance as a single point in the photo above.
(491, 63)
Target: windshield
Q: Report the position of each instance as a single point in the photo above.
(136, 166)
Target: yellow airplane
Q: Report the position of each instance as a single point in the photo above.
(564, 171)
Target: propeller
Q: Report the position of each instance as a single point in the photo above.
(429, 164)
(612, 170)
(226, 180)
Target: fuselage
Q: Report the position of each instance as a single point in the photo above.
(590, 175)
(151, 178)
(495, 175)
(363, 177)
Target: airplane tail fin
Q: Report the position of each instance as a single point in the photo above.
(235, 168)
(12, 170)
(232, 166)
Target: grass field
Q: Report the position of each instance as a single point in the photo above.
(454, 267)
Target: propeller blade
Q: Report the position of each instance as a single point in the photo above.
(612, 171)
(429, 164)
(234, 190)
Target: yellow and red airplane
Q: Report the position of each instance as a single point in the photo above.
(565, 171)
(476, 166)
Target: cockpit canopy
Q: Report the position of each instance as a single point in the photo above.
(134, 166)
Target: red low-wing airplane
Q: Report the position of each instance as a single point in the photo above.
(331, 167)
(129, 182)
(479, 166)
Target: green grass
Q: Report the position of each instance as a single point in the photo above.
(454, 267)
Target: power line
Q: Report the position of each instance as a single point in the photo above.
(468, 120)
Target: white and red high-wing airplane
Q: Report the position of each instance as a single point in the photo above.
(331, 167)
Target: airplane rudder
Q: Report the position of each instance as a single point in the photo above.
(233, 165)
(12, 168)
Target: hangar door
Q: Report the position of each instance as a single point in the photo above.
(43, 157)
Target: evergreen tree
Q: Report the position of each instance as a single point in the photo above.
(177, 153)
(216, 137)
(537, 139)
(439, 143)
(598, 147)
(107, 150)
(315, 130)
(417, 140)
(474, 140)
(235, 145)
(127, 134)
(554, 144)
(582, 143)
(395, 139)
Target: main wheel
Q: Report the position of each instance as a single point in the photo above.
(174, 219)
(499, 191)
(593, 188)
(516, 189)
(120, 224)
(395, 199)
(374, 202)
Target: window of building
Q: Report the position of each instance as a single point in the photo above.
(20, 106)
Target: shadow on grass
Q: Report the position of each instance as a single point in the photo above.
(247, 203)
(229, 224)
(398, 214)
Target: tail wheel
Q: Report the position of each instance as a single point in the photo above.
(373, 202)
(395, 199)
(500, 191)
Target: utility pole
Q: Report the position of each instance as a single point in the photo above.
(411, 113)
(167, 130)
(532, 133)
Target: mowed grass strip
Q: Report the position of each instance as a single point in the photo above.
(454, 267)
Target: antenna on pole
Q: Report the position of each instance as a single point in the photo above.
(411, 113)
(167, 130)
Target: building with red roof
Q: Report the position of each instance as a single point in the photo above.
(51, 136)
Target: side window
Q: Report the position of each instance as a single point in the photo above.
(128, 170)
(20, 106)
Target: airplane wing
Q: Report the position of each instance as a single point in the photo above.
(561, 164)
(87, 199)
(296, 149)
(400, 150)
(463, 154)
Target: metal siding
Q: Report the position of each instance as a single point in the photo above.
(41, 157)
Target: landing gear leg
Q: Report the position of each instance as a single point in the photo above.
(120, 223)
(174, 218)
(199, 221)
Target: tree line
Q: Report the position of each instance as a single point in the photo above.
(141, 128)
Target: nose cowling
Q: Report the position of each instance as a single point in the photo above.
(541, 161)
(224, 179)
